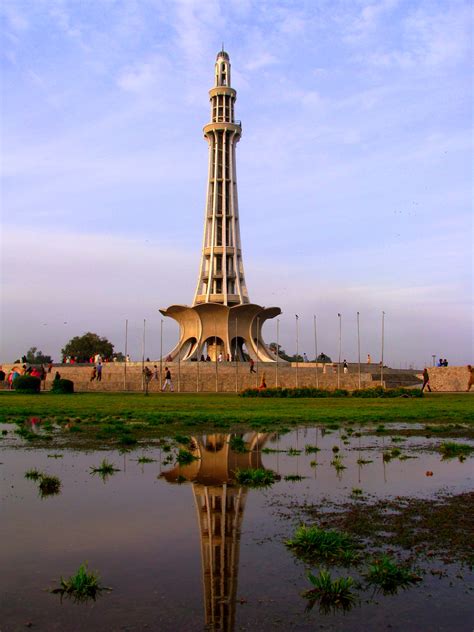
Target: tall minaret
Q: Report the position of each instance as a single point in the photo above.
(221, 273)
(221, 322)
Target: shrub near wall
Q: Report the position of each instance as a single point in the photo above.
(62, 386)
(377, 392)
(27, 384)
(294, 392)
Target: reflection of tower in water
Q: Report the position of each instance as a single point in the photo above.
(220, 504)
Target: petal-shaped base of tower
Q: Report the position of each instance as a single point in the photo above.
(212, 329)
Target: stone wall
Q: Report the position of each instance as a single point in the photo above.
(203, 377)
(449, 378)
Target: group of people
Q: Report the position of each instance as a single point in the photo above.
(96, 373)
(150, 375)
(442, 362)
(34, 371)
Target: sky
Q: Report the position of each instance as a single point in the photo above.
(354, 169)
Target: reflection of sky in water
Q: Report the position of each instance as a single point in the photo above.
(142, 534)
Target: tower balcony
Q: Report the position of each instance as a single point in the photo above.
(223, 126)
(220, 250)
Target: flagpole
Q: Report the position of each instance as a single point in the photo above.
(316, 350)
(297, 349)
(278, 351)
(340, 345)
(383, 335)
(126, 350)
(358, 345)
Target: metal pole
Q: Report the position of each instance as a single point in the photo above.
(126, 351)
(161, 354)
(235, 360)
(434, 359)
(316, 350)
(215, 355)
(340, 345)
(143, 354)
(197, 371)
(381, 362)
(358, 345)
(278, 351)
(258, 338)
(179, 364)
(297, 349)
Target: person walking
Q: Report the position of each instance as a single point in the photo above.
(167, 381)
(93, 374)
(426, 380)
(346, 368)
(99, 372)
(471, 377)
(252, 366)
(155, 373)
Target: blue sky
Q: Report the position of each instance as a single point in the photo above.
(354, 168)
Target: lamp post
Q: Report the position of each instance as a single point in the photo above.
(358, 346)
(161, 354)
(297, 347)
(316, 350)
(126, 353)
(236, 359)
(258, 338)
(383, 341)
(277, 351)
(143, 354)
(340, 345)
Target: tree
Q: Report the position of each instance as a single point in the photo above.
(33, 356)
(322, 357)
(86, 346)
(281, 352)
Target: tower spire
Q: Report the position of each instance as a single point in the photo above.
(221, 323)
(221, 273)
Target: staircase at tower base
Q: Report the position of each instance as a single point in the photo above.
(213, 329)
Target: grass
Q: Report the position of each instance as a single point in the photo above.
(84, 585)
(33, 474)
(145, 459)
(313, 544)
(237, 444)
(183, 411)
(49, 485)
(255, 477)
(293, 477)
(311, 449)
(338, 464)
(293, 452)
(450, 449)
(331, 594)
(386, 576)
(363, 461)
(184, 457)
(104, 469)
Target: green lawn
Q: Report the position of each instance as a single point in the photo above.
(197, 409)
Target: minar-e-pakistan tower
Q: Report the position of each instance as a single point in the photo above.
(221, 318)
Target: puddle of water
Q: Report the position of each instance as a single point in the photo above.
(185, 547)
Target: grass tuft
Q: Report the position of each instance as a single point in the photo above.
(450, 449)
(313, 544)
(49, 485)
(33, 474)
(84, 585)
(387, 576)
(331, 594)
(255, 477)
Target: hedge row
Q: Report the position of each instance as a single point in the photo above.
(376, 392)
(30, 384)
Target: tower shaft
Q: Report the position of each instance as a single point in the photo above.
(221, 274)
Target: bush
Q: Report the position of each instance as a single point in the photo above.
(293, 392)
(62, 386)
(379, 391)
(27, 384)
